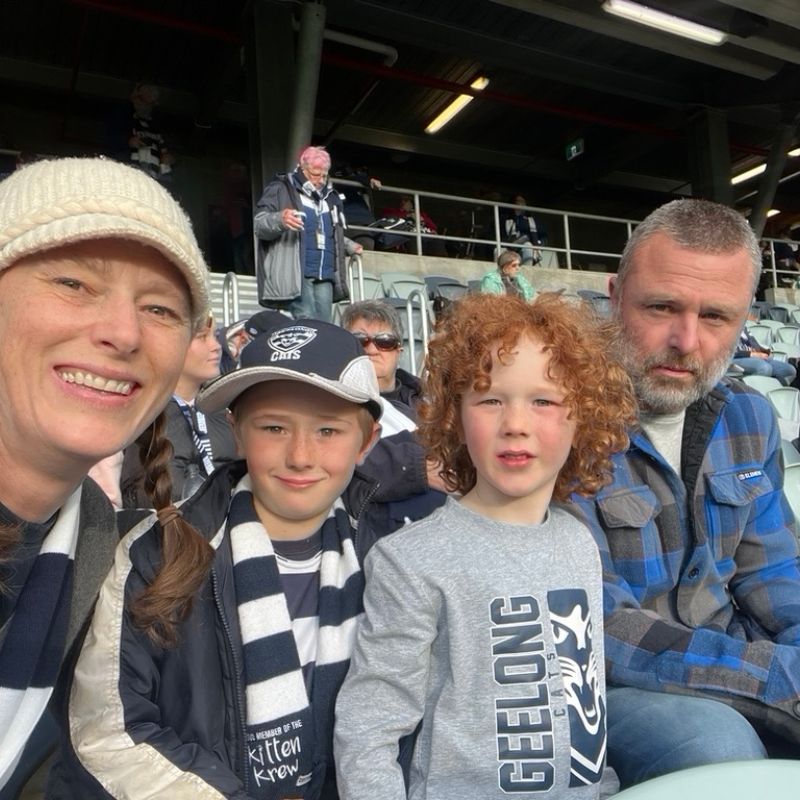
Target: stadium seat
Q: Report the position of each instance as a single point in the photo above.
(788, 334)
(761, 333)
(790, 453)
(414, 341)
(773, 779)
(445, 286)
(762, 383)
(402, 284)
(791, 488)
(373, 288)
(786, 402)
(783, 352)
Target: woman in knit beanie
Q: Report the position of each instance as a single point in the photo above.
(101, 287)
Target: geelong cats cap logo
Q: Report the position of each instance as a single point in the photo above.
(287, 342)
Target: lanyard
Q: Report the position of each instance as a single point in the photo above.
(202, 442)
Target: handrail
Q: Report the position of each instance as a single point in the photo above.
(773, 267)
(359, 268)
(423, 303)
(230, 299)
(495, 239)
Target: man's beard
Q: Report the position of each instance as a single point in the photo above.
(661, 394)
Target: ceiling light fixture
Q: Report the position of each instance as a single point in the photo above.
(747, 174)
(773, 212)
(794, 153)
(664, 22)
(435, 125)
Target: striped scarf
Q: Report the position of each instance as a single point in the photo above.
(33, 646)
(286, 727)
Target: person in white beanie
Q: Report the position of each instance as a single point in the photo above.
(102, 285)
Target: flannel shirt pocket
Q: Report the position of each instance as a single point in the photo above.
(630, 508)
(734, 491)
(628, 517)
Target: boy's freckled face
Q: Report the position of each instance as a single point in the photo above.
(302, 445)
(518, 435)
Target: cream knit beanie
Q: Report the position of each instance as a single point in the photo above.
(52, 203)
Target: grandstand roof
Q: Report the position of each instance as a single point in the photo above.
(560, 71)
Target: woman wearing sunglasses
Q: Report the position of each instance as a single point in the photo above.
(378, 327)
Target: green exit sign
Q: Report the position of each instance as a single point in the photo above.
(574, 149)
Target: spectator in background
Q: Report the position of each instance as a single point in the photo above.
(755, 360)
(405, 210)
(302, 248)
(519, 227)
(200, 442)
(146, 144)
(378, 327)
(507, 279)
(785, 258)
(356, 201)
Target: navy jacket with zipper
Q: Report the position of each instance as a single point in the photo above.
(184, 707)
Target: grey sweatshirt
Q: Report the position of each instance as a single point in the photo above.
(491, 634)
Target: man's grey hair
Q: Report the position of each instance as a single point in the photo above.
(373, 311)
(696, 225)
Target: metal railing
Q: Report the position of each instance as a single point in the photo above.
(564, 237)
(780, 276)
(422, 298)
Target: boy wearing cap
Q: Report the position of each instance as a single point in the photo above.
(220, 678)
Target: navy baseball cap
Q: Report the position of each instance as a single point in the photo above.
(306, 350)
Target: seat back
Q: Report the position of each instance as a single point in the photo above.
(761, 333)
(779, 314)
(790, 453)
(791, 488)
(789, 334)
(783, 352)
(402, 284)
(786, 402)
(762, 383)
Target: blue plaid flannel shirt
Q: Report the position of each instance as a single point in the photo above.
(701, 573)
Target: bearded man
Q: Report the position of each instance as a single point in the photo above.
(701, 576)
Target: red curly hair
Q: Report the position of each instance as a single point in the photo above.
(597, 390)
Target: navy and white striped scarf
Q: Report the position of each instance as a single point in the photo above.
(286, 727)
(33, 645)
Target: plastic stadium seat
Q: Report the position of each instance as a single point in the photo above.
(413, 338)
(373, 288)
(762, 383)
(790, 453)
(788, 334)
(772, 324)
(786, 402)
(760, 309)
(779, 314)
(783, 352)
(445, 286)
(772, 779)
(761, 333)
(791, 488)
(402, 284)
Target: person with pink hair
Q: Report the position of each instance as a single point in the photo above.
(302, 248)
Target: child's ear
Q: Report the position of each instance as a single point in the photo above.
(236, 435)
(369, 444)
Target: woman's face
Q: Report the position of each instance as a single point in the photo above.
(511, 269)
(94, 337)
